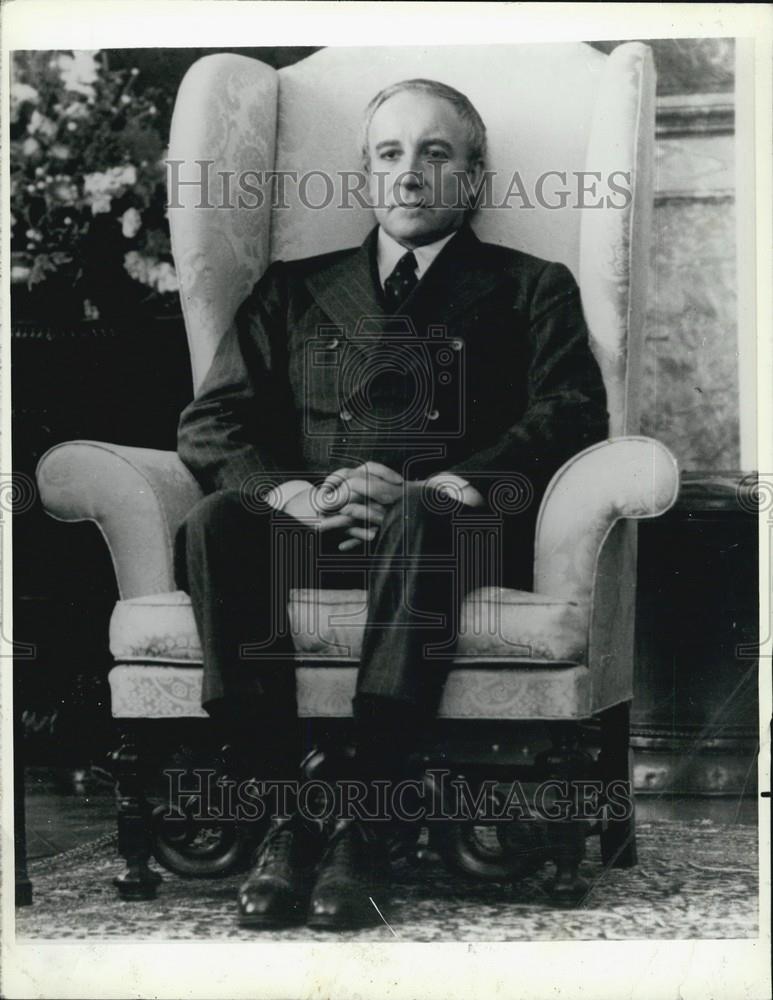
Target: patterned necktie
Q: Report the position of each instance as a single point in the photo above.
(401, 282)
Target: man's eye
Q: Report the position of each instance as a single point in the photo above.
(389, 154)
(437, 154)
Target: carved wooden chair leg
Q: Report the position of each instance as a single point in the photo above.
(565, 762)
(618, 838)
(134, 824)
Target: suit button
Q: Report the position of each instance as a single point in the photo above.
(345, 415)
(457, 344)
(433, 415)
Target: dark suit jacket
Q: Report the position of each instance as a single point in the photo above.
(490, 374)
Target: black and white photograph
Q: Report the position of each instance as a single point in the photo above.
(384, 499)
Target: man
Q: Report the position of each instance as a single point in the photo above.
(364, 445)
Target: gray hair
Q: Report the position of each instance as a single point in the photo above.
(476, 130)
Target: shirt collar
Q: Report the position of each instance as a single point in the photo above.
(389, 251)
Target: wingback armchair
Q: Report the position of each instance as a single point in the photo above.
(561, 654)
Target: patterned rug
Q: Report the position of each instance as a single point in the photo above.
(695, 879)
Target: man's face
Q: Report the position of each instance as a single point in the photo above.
(417, 143)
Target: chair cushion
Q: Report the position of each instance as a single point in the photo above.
(328, 624)
(517, 691)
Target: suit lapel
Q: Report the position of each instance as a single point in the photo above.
(347, 289)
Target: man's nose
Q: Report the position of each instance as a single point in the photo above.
(412, 176)
(410, 181)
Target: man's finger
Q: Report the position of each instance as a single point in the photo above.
(334, 492)
(333, 522)
(364, 512)
(382, 471)
(366, 534)
(348, 544)
(338, 476)
(373, 489)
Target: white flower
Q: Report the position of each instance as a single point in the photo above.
(71, 126)
(100, 204)
(30, 146)
(60, 151)
(147, 270)
(164, 278)
(76, 109)
(131, 223)
(66, 193)
(40, 123)
(125, 175)
(19, 273)
(23, 92)
(34, 234)
(125, 99)
(79, 71)
(101, 188)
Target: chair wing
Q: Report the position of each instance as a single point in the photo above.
(224, 123)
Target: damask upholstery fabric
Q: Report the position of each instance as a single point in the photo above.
(495, 623)
(225, 116)
(537, 692)
(632, 477)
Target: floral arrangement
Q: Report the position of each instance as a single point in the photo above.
(89, 233)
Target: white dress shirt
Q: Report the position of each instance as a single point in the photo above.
(389, 251)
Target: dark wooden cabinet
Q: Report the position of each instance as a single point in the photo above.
(695, 724)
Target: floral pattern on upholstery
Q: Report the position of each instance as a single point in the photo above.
(225, 114)
(156, 692)
(329, 624)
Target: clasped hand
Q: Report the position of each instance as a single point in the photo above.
(356, 500)
(351, 499)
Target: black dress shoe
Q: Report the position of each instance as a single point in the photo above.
(354, 874)
(276, 892)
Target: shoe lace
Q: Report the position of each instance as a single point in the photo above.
(276, 845)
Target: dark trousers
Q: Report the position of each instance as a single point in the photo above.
(238, 564)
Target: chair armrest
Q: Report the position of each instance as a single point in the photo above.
(626, 477)
(137, 497)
